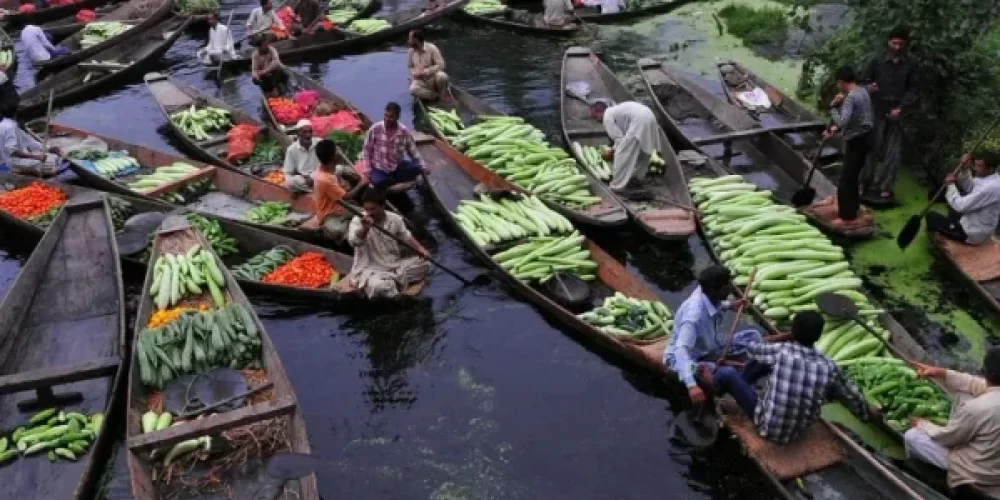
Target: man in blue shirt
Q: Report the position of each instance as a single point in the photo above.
(696, 342)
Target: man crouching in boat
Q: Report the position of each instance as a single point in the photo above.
(972, 217)
(633, 128)
(696, 335)
(800, 381)
(967, 446)
(19, 152)
(428, 81)
(379, 266)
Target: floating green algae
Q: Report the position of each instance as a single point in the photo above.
(913, 283)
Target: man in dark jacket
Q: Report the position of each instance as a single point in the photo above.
(892, 79)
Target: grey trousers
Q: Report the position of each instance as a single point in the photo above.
(879, 175)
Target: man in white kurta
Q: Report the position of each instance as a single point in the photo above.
(557, 12)
(300, 158)
(220, 43)
(633, 128)
(20, 152)
(380, 269)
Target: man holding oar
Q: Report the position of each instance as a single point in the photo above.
(967, 446)
(972, 216)
(380, 269)
(851, 112)
(696, 335)
(800, 380)
(220, 43)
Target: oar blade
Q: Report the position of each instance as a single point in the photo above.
(804, 197)
(909, 232)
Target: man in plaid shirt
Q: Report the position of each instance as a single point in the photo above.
(387, 145)
(800, 380)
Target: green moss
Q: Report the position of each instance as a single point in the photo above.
(756, 26)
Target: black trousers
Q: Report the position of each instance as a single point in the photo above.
(947, 225)
(273, 81)
(855, 154)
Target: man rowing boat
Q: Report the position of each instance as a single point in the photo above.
(696, 336)
(380, 268)
(972, 216)
(331, 185)
(967, 446)
(633, 128)
(300, 158)
(800, 380)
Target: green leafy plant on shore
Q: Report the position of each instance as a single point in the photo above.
(756, 26)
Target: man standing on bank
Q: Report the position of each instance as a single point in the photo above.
(893, 82)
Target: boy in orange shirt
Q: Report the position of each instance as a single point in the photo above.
(332, 183)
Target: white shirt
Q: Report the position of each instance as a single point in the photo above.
(556, 12)
(612, 6)
(299, 160)
(220, 41)
(980, 208)
(36, 43)
(631, 120)
(12, 139)
(259, 22)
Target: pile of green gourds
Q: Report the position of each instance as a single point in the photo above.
(489, 221)
(541, 257)
(631, 318)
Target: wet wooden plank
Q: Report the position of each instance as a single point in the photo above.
(47, 377)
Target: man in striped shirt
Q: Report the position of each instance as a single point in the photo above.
(387, 145)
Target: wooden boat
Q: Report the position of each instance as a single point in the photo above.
(7, 45)
(298, 81)
(273, 409)
(15, 19)
(594, 16)
(706, 123)
(336, 41)
(976, 265)
(454, 178)
(63, 324)
(85, 79)
(509, 20)
(660, 217)
(783, 110)
(61, 28)
(173, 95)
(141, 14)
(609, 212)
(235, 191)
(250, 240)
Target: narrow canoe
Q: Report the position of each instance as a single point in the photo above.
(976, 265)
(15, 19)
(786, 110)
(61, 28)
(141, 14)
(77, 82)
(250, 241)
(608, 213)
(335, 42)
(454, 178)
(659, 217)
(690, 112)
(234, 191)
(506, 20)
(63, 328)
(278, 406)
(298, 81)
(173, 95)
(593, 16)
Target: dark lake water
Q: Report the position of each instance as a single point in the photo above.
(472, 393)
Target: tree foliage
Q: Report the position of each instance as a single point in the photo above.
(959, 80)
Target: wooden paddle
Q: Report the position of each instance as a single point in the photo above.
(218, 74)
(805, 196)
(478, 280)
(48, 122)
(912, 226)
(840, 306)
(739, 314)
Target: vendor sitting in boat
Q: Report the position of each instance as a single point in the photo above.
(332, 184)
(972, 217)
(387, 145)
(300, 158)
(967, 446)
(308, 16)
(380, 268)
(428, 81)
(263, 21)
(38, 46)
(220, 43)
(21, 153)
(696, 335)
(633, 128)
(557, 13)
(800, 381)
(265, 68)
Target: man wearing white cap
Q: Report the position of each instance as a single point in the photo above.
(300, 158)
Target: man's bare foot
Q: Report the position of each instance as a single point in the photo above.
(852, 223)
(829, 200)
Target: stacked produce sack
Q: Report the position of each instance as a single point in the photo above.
(796, 263)
(518, 152)
(240, 142)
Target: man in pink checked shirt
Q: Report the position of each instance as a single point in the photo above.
(391, 152)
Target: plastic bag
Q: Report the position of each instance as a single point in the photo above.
(239, 149)
(85, 16)
(341, 120)
(243, 131)
(26, 7)
(306, 99)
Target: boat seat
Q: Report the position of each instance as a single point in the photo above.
(980, 262)
(818, 450)
(42, 380)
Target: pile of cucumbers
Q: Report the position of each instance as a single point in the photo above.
(176, 276)
(262, 264)
(66, 435)
(538, 259)
(489, 220)
(632, 319)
